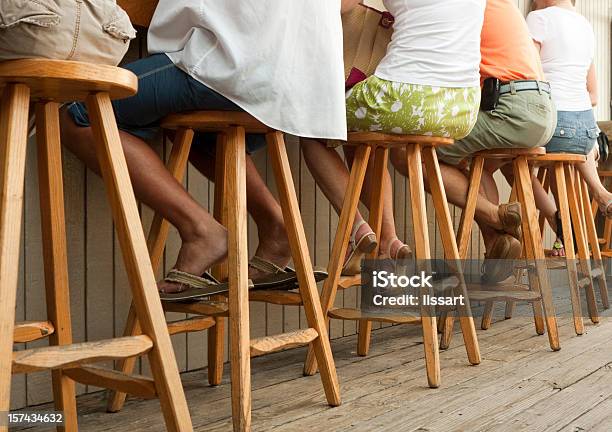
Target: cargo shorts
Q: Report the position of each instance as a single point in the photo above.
(93, 31)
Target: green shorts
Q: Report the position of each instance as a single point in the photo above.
(378, 105)
(525, 119)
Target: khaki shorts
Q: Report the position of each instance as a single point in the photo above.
(525, 119)
(93, 31)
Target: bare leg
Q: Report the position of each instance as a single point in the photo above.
(204, 240)
(389, 242)
(456, 185)
(263, 207)
(331, 175)
(588, 171)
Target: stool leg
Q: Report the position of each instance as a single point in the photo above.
(53, 223)
(137, 262)
(463, 240)
(594, 242)
(381, 159)
(238, 259)
(14, 106)
(570, 257)
(156, 242)
(217, 332)
(575, 202)
(345, 226)
(423, 254)
(534, 249)
(303, 265)
(451, 252)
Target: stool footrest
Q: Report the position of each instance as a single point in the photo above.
(189, 325)
(136, 385)
(203, 307)
(270, 344)
(276, 297)
(29, 331)
(62, 356)
(504, 295)
(349, 281)
(357, 315)
(606, 254)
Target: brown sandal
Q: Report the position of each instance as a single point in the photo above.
(510, 216)
(195, 287)
(366, 244)
(275, 277)
(498, 263)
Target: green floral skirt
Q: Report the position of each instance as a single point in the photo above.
(378, 105)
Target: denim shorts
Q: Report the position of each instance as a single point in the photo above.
(576, 132)
(165, 89)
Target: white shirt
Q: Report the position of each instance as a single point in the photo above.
(279, 60)
(567, 51)
(435, 42)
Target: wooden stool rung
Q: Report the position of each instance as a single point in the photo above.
(203, 307)
(62, 356)
(281, 342)
(29, 331)
(277, 297)
(190, 325)
(136, 385)
(504, 296)
(346, 282)
(358, 315)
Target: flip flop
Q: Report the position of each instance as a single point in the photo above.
(275, 277)
(197, 287)
(366, 244)
(496, 267)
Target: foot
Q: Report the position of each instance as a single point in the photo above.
(274, 247)
(557, 249)
(395, 250)
(363, 230)
(510, 219)
(200, 251)
(498, 264)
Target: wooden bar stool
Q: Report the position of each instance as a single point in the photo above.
(47, 83)
(539, 293)
(230, 208)
(419, 148)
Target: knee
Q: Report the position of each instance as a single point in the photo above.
(398, 159)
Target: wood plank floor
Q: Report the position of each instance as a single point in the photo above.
(521, 385)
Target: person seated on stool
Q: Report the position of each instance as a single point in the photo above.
(427, 84)
(522, 116)
(235, 55)
(566, 44)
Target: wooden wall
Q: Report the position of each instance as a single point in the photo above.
(99, 293)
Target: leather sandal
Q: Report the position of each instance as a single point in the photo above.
(366, 244)
(275, 277)
(510, 216)
(193, 287)
(496, 267)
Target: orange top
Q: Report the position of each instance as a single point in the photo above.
(507, 50)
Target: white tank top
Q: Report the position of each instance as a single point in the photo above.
(279, 60)
(435, 42)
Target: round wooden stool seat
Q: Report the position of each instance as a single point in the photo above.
(213, 121)
(65, 81)
(510, 153)
(550, 158)
(355, 138)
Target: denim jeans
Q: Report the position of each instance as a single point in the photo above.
(165, 89)
(576, 132)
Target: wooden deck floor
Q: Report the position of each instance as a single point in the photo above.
(521, 385)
